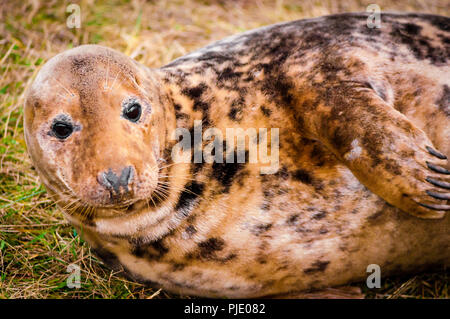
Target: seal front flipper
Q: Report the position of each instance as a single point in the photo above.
(385, 151)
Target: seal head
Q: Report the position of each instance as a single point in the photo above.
(93, 123)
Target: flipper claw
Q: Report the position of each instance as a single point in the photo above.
(439, 195)
(437, 183)
(432, 151)
(438, 169)
(436, 207)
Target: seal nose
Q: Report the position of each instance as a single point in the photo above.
(111, 181)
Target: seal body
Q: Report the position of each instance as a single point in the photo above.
(361, 177)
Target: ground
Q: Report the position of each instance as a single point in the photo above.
(36, 244)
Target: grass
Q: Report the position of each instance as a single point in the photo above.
(36, 244)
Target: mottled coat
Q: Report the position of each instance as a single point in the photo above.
(364, 120)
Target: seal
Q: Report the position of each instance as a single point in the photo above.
(362, 175)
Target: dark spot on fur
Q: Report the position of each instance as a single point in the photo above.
(236, 109)
(303, 176)
(393, 167)
(261, 228)
(228, 74)
(267, 112)
(317, 266)
(201, 105)
(267, 193)
(151, 251)
(235, 113)
(318, 155)
(195, 92)
(178, 266)
(444, 101)
(278, 89)
(420, 46)
(292, 220)
(225, 173)
(228, 257)
(412, 29)
(209, 247)
(302, 230)
(189, 196)
(440, 22)
(319, 215)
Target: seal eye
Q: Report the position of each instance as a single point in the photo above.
(62, 130)
(132, 112)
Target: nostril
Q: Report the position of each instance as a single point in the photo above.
(126, 176)
(110, 180)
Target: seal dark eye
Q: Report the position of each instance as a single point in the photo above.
(62, 130)
(132, 112)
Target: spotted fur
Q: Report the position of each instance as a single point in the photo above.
(361, 111)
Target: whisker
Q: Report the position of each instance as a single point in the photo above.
(105, 86)
(114, 81)
(67, 90)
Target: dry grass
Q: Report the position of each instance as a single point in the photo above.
(36, 244)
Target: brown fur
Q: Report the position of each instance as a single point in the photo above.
(356, 107)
